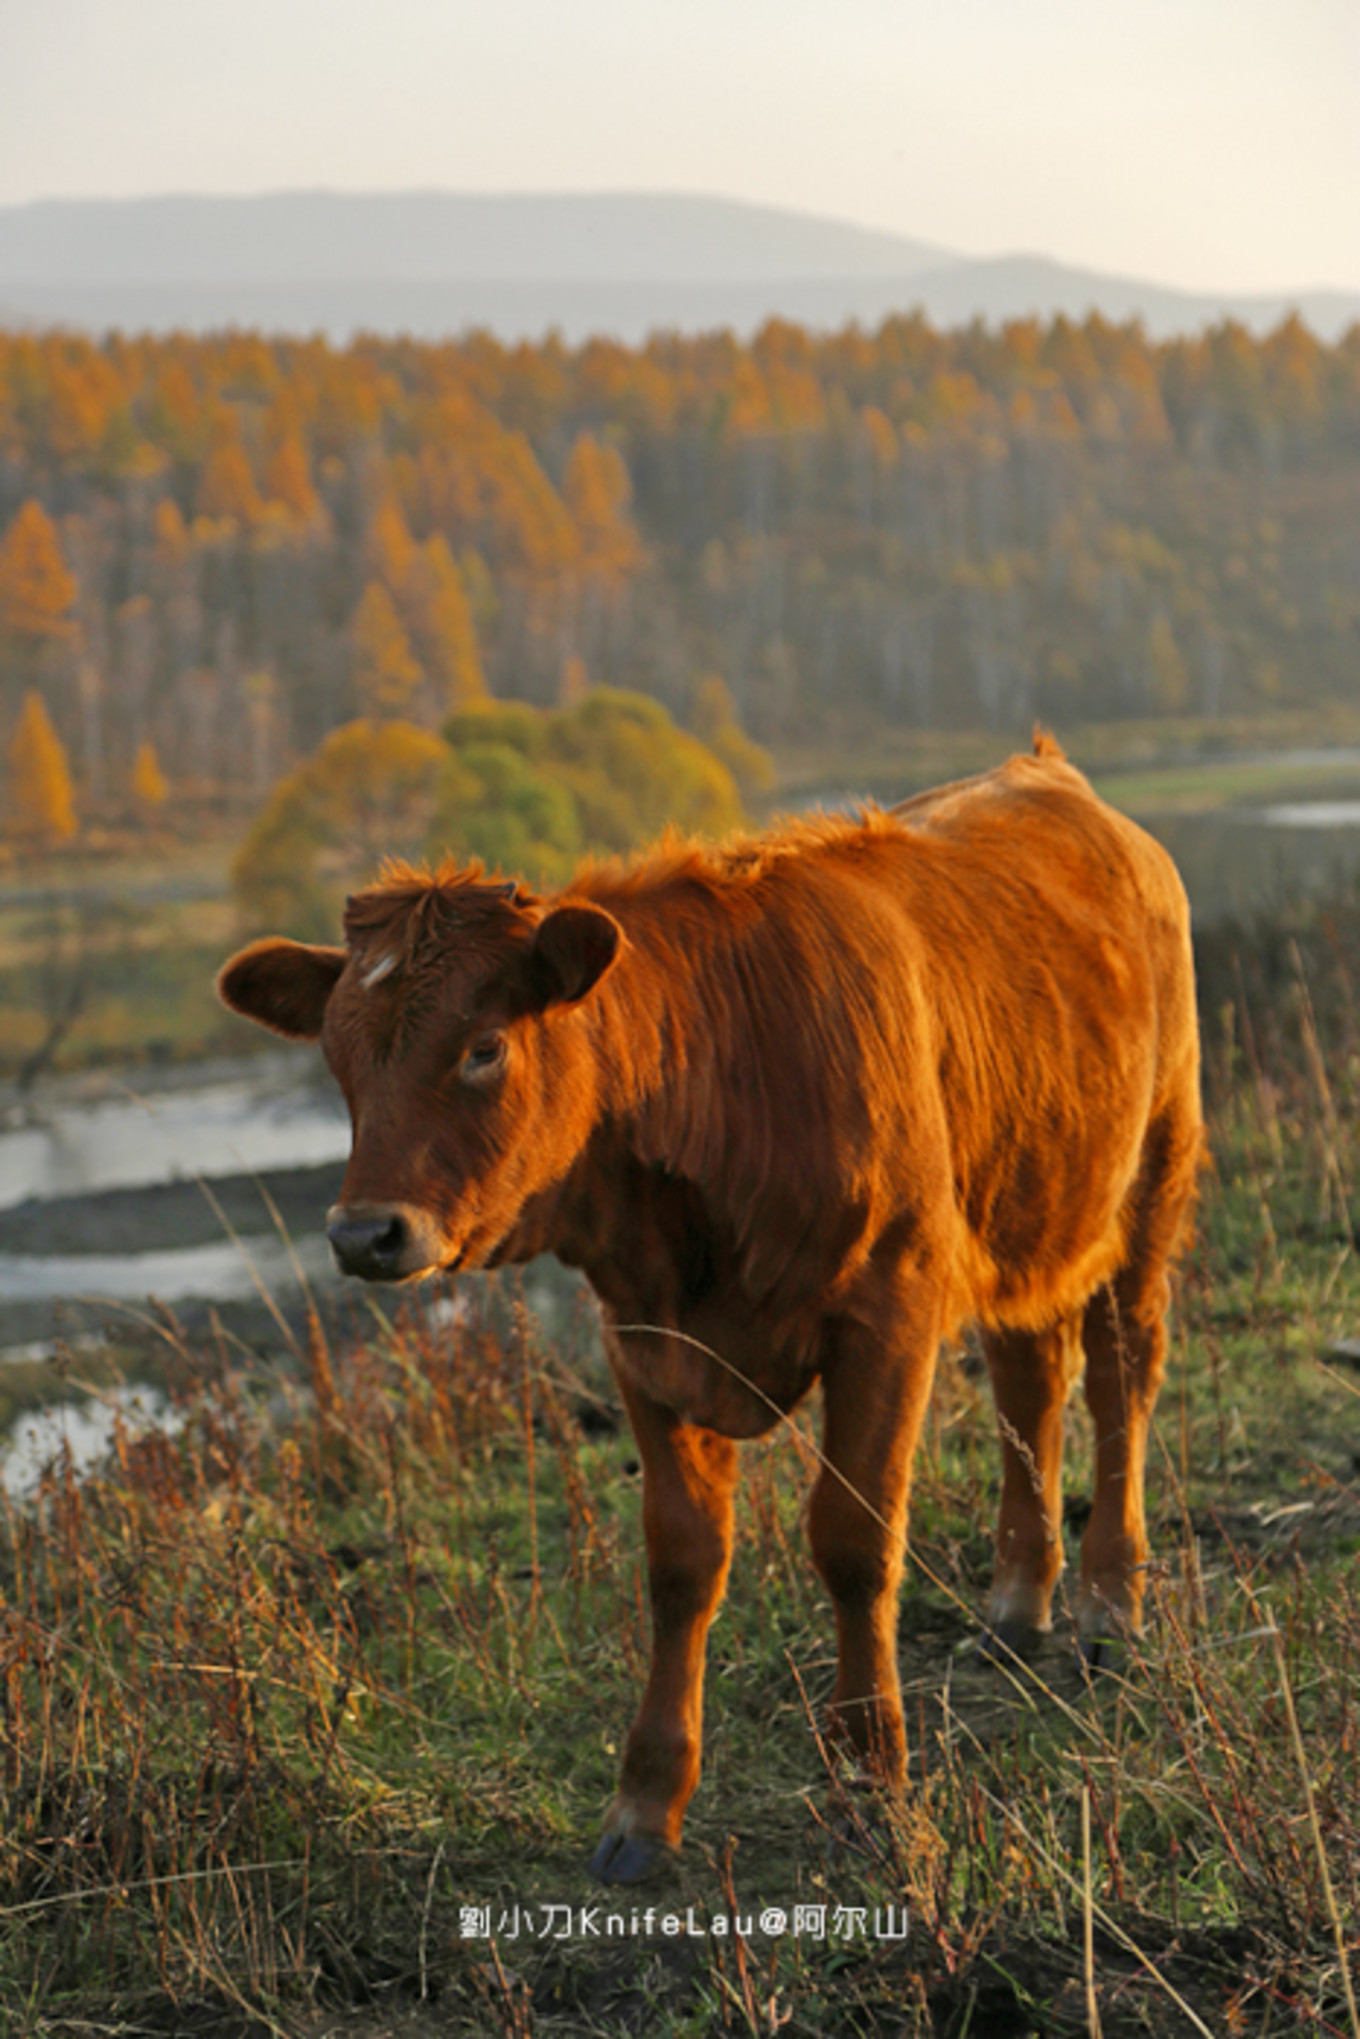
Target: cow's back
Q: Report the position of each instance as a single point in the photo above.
(1037, 818)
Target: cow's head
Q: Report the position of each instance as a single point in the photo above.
(456, 1020)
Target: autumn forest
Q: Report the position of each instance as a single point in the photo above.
(215, 552)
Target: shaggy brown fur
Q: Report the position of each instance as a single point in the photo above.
(806, 1103)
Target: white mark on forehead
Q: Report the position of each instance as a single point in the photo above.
(384, 967)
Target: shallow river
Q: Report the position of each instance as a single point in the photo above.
(265, 1117)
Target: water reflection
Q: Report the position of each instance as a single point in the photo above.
(85, 1429)
(171, 1275)
(1315, 814)
(1240, 862)
(273, 1116)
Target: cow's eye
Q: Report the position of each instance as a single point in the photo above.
(483, 1058)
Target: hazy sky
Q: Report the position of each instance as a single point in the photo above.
(1206, 143)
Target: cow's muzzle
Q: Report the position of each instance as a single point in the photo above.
(382, 1242)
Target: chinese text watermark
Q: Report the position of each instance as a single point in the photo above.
(601, 1922)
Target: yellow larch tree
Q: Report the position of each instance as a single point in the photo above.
(386, 673)
(444, 629)
(37, 588)
(171, 540)
(288, 480)
(82, 394)
(177, 419)
(532, 525)
(392, 550)
(41, 794)
(597, 492)
(226, 486)
(879, 436)
(150, 787)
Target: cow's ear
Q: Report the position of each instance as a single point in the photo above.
(573, 948)
(283, 985)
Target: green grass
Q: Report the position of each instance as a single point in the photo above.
(1204, 788)
(358, 1649)
(1172, 758)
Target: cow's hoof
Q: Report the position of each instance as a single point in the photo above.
(1003, 1641)
(628, 1858)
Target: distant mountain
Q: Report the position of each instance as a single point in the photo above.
(432, 263)
(329, 238)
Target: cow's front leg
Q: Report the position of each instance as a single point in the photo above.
(875, 1400)
(688, 1476)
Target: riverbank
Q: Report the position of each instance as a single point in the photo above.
(173, 1215)
(118, 1188)
(102, 1270)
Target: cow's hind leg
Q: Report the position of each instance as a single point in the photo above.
(874, 1404)
(688, 1477)
(1032, 1376)
(1124, 1331)
(1126, 1342)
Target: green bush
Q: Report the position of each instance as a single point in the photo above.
(493, 804)
(527, 790)
(367, 793)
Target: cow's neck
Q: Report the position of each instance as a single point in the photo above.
(718, 1076)
(674, 1024)
(695, 1089)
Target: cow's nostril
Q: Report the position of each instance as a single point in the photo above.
(372, 1248)
(388, 1243)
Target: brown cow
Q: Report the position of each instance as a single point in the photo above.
(809, 1102)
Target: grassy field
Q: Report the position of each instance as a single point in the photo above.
(126, 940)
(310, 1713)
(1207, 787)
(1118, 755)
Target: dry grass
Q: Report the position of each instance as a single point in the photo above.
(356, 1649)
